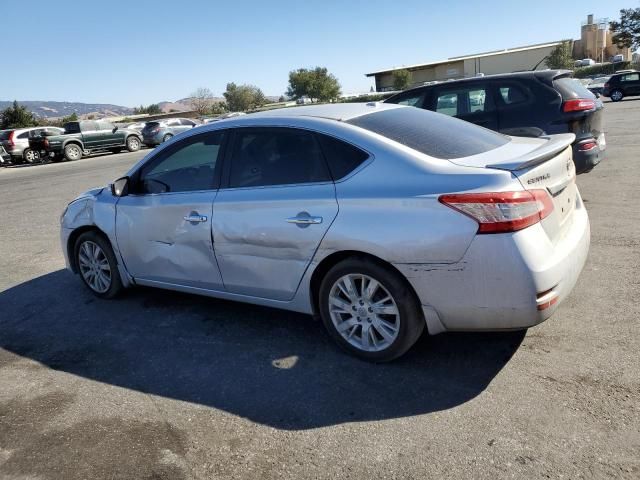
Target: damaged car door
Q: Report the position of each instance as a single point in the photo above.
(163, 225)
(276, 204)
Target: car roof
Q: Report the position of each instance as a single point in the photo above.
(331, 111)
(546, 75)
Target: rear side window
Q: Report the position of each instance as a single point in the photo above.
(73, 127)
(24, 135)
(187, 123)
(276, 156)
(512, 94)
(463, 101)
(427, 132)
(341, 157)
(572, 88)
(631, 77)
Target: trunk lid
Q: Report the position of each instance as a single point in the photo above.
(539, 163)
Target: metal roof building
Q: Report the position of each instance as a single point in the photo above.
(498, 61)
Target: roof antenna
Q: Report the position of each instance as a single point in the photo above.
(538, 64)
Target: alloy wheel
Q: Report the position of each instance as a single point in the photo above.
(74, 152)
(94, 266)
(134, 143)
(31, 156)
(364, 313)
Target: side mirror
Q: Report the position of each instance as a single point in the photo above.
(120, 187)
(115, 129)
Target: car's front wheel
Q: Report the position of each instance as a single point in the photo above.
(97, 265)
(167, 137)
(133, 144)
(370, 310)
(616, 95)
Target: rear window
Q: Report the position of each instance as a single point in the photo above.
(572, 88)
(433, 134)
(150, 125)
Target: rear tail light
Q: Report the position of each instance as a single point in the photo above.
(578, 105)
(502, 212)
(606, 85)
(547, 299)
(46, 143)
(587, 146)
(10, 141)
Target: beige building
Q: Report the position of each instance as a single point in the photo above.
(596, 42)
(500, 61)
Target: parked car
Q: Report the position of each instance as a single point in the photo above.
(16, 143)
(137, 126)
(5, 158)
(382, 219)
(525, 103)
(617, 58)
(159, 131)
(622, 85)
(85, 137)
(596, 86)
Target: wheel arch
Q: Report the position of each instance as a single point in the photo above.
(73, 140)
(333, 259)
(73, 238)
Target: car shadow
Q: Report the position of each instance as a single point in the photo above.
(274, 367)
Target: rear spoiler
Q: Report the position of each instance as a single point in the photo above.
(546, 151)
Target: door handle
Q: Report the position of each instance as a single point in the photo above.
(303, 219)
(195, 218)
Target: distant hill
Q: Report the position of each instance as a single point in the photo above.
(44, 109)
(184, 104)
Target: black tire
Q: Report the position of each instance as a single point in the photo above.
(72, 152)
(115, 286)
(31, 156)
(167, 137)
(616, 95)
(133, 143)
(115, 150)
(411, 319)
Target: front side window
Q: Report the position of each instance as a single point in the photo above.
(189, 165)
(105, 126)
(276, 156)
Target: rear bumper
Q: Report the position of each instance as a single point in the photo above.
(586, 160)
(152, 141)
(497, 284)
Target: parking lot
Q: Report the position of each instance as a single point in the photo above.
(162, 385)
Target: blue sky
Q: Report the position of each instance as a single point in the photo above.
(142, 51)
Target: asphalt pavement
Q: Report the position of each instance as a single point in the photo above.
(162, 385)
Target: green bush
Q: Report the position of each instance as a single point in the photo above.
(604, 69)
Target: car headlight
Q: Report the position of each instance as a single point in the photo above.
(64, 212)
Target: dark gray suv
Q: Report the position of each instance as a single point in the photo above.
(159, 131)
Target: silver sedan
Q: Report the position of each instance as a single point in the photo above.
(383, 220)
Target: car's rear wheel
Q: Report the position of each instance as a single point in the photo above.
(616, 95)
(133, 144)
(370, 310)
(72, 152)
(167, 137)
(31, 156)
(97, 265)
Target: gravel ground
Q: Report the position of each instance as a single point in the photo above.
(161, 385)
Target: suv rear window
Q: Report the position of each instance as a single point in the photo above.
(433, 134)
(572, 88)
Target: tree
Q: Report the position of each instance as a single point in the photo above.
(561, 57)
(201, 100)
(70, 118)
(317, 84)
(153, 109)
(17, 116)
(282, 98)
(626, 32)
(243, 97)
(218, 108)
(401, 79)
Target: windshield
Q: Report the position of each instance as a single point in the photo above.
(431, 133)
